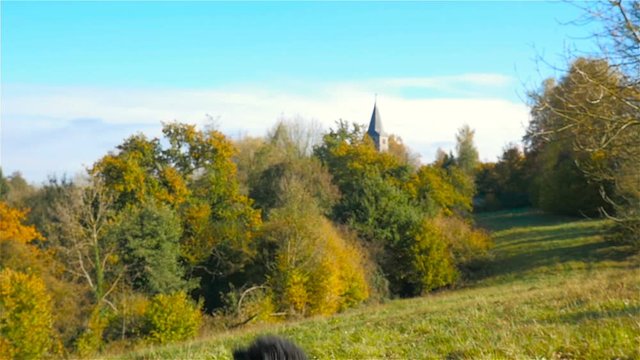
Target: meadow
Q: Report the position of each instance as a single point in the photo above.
(554, 288)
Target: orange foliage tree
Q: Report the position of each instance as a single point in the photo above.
(12, 228)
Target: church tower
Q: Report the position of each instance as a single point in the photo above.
(376, 133)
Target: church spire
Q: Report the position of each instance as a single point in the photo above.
(375, 131)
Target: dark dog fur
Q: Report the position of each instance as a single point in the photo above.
(270, 348)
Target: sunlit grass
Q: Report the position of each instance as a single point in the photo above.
(554, 289)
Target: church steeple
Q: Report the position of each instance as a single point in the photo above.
(376, 131)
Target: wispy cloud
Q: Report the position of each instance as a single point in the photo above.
(58, 129)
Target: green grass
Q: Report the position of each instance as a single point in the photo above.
(553, 289)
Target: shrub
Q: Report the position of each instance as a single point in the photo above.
(130, 321)
(25, 316)
(91, 339)
(468, 245)
(315, 269)
(249, 304)
(338, 280)
(432, 265)
(172, 317)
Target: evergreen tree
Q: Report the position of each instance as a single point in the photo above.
(149, 238)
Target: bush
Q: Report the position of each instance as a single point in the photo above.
(468, 245)
(314, 270)
(172, 317)
(130, 321)
(338, 280)
(432, 265)
(91, 339)
(26, 323)
(246, 305)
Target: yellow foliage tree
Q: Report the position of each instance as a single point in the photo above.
(431, 259)
(26, 323)
(434, 188)
(19, 251)
(172, 317)
(316, 270)
(338, 280)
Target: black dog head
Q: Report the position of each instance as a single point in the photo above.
(270, 348)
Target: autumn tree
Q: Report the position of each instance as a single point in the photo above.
(596, 105)
(26, 321)
(582, 119)
(402, 152)
(12, 227)
(430, 263)
(247, 160)
(172, 317)
(26, 252)
(312, 268)
(192, 172)
(434, 189)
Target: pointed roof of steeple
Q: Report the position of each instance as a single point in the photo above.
(375, 126)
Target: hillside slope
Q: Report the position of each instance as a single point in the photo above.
(554, 289)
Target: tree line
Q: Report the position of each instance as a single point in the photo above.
(581, 153)
(162, 234)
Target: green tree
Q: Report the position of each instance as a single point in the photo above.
(506, 183)
(282, 161)
(376, 203)
(4, 187)
(149, 243)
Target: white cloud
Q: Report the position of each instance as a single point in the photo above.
(33, 116)
(448, 82)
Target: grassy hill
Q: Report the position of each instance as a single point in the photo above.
(554, 289)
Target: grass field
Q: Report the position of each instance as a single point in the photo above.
(553, 289)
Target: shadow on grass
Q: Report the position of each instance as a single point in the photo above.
(585, 253)
(577, 317)
(540, 237)
(528, 240)
(525, 217)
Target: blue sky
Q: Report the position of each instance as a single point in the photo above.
(78, 77)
